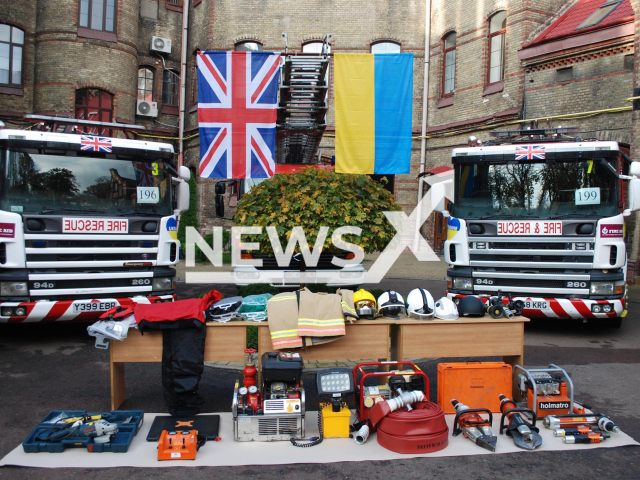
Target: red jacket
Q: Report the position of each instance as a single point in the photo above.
(169, 315)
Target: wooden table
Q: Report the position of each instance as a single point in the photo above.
(381, 340)
(365, 339)
(465, 337)
(225, 342)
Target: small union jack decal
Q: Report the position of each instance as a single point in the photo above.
(95, 144)
(530, 152)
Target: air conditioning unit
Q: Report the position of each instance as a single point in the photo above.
(147, 109)
(159, 44)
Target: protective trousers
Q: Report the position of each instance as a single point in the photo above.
(182, 367)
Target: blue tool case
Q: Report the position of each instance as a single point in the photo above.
(128, 421)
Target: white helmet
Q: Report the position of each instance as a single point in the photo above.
(391, 305)
(420, 304)
(445, 309)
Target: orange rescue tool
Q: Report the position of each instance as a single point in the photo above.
(182, 445)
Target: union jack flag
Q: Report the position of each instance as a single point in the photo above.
(530, 152)
(95, 144)
(237, 101)
(144, 174)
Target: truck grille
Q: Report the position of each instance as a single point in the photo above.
(89, 257)
(525, 282)
(324, 263)
(533, 258)
(98, 283)
(529, 246)
(96, 243)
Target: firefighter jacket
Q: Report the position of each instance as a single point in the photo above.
(303, 318)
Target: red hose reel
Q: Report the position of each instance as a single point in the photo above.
(422, 429)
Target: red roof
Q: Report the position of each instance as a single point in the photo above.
(566, 25)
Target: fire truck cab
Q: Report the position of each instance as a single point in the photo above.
(87, 222)
(541, 215)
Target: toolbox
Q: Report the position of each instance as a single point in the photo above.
(476, 384)
(119, 443)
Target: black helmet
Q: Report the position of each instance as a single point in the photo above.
(471, 306)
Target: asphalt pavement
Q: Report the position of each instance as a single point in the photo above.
(55, 366)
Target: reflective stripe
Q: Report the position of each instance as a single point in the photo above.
(313, 321)
(345, 305)
(294, 342)
(309, 330)
(279, 299)
(285, 333)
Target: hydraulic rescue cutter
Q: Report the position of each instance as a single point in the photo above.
(473, 426)
(525, 434)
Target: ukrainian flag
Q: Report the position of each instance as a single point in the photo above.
(374, 103)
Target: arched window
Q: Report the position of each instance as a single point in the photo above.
(98, 15)
(94, 104)
(249, 46)
(145, 84)
(170, 83)
(449, 65)
(11, 48)
(314, 47)
(497, 46)
(385, 47)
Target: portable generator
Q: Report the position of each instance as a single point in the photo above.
(546, 391)
(277, 410)
(397, 381)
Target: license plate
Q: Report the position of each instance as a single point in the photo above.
(93, 306)
(540, 305)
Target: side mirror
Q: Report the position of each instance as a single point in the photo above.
(184, 173)
(182, 196)
(634, 168)
(219, 204)
(221, 188)
(634, 193)
(438, 197)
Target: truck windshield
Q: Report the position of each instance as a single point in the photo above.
(542, 190)
(39, 183)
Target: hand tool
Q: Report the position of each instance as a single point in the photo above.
(603, 422)
(100, 430)
(593, 437)
(524, 433)
(473, 426)
(579, 430)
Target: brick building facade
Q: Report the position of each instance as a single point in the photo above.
(77, 55)
(493, 63)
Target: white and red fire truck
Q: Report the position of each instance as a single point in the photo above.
(540, 215)
(87, 222)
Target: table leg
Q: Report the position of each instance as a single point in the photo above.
(117, 385)
(514, 360)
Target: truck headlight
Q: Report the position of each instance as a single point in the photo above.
(462, 283)
(163, 283)
(13, 289)
(602, 288)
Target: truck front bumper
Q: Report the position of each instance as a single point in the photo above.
(87, 310)
(537, 307)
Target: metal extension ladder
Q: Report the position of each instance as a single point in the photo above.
(303, 105)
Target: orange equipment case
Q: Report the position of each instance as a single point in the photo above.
(476, 384)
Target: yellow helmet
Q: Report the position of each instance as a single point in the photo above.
(365, 303)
